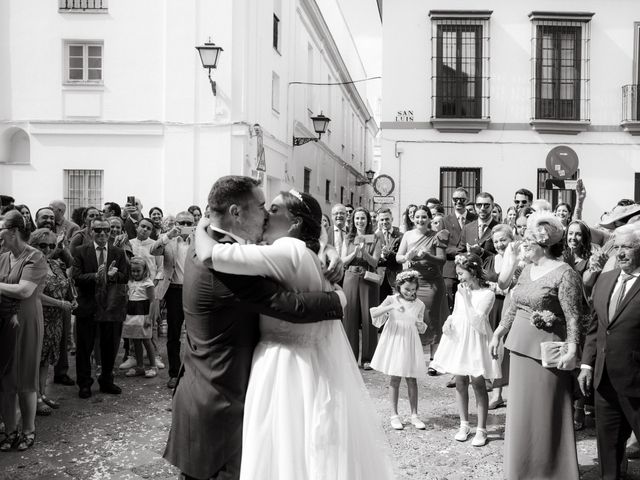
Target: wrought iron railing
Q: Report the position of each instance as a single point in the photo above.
(630, 103)
(83, 5)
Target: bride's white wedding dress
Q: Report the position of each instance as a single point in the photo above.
(307, 412)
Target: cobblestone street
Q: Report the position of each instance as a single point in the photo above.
(123, 437)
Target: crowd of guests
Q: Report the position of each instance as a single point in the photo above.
(503, 300)
(523, 299)
(79, 287)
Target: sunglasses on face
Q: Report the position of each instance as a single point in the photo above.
(101, 229)
(459, 199)
(483, 205)
(50, 246)
(185, 223)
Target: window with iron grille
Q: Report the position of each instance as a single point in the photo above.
(83, 188)
(80, 6)
(307, 180)
(555, 196)
(631, 93)
(452, 178)
(460, 64)
(327, 191)
(560, 66)
(83, 61)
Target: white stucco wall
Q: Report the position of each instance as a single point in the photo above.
(510, 152)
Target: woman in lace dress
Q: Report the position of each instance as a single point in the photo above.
(307, 413)
(539, 436)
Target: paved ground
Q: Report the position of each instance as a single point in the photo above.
(123, 437)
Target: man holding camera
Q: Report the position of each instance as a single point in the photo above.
(173, 246)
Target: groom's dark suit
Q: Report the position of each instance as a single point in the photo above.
(612, 349)
(221, 318)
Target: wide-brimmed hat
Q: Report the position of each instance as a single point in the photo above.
(619, 214)
(545, 227)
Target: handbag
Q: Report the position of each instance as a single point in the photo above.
(373, 277)
(550, 353)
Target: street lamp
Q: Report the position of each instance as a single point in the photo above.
(209, 54)
(369, 174)
(320, 123)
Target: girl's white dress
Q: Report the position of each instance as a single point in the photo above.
(399, 351)
(464, 347)
(308, 415)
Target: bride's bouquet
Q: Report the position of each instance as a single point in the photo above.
(543, 319)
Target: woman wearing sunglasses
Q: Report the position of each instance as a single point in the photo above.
(57, 299)
(23, 270)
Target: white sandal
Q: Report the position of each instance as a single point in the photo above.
(463, 432)
(416, 422)
(480, 438)
(396, 423)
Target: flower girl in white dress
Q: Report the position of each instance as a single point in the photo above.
(399, 351)
(464, 348)
(307, 415)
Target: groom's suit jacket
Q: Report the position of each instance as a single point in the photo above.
(221, 318)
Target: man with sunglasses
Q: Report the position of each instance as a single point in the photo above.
(522, 198)
(476, 236)
(454, 223)
(173, 247)
(100, 272)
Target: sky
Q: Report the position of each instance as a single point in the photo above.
(366, 28)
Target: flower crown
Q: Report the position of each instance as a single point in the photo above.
(408, 276)
(465, 261)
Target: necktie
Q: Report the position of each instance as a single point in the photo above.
(618, 295)
(461, 222)
(100, 256)
(386, 237)
(481, 228)
(338, 239)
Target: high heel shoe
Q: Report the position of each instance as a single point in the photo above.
(26, 441)
(10, 441)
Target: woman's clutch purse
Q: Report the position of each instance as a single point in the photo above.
(551, 352)
(373, 277)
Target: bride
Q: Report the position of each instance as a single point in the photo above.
(307, 412)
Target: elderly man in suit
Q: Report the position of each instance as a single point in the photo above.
(611, 358)
(173, 247)
(221, 316)
(100, 272)
(390, 237)
(338, 232)
(454, 223)
(476, 236)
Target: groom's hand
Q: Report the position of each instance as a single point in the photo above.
(335, 270)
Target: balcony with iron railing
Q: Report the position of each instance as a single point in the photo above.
(631, 109)
(83, 6)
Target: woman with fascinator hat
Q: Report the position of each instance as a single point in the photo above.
(546, 306)
(307, 412)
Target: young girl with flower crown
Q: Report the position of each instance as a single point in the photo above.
(464, 348)
(399, 352)
(137, 325)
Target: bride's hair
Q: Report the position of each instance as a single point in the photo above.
(307, 209)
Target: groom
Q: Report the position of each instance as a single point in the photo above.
(221, 318)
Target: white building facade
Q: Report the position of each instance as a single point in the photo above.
(478, 95)
(102, 99)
